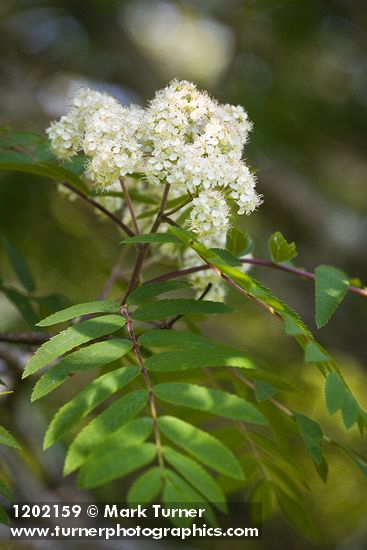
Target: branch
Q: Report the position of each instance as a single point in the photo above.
(29, 338)
(153, 409)
(101, 208)
(130, 206)
(252, 261)
(296, 271)
(169, 324)
(177, 208)
(114, 275)
(251, 385)
(237, 287)
(143, 249)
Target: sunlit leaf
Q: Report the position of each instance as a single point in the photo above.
(71, 338)
(331, 285)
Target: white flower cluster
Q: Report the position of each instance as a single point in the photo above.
(183, 137)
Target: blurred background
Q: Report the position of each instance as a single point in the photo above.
(299, 67)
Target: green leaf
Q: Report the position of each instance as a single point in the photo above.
(152, 238)
(180, 306)
(312, 435)
(4, 519)
(263, 390)
(201, 445)
(121, 411)
(103, 306)
(350, 410)
(335, 392)
(357, 460)
(195, 474)
(147, 291)
(178, 339)
(87, 400)
(115, 464)
(23, 305)
(52, 302)
(227, 257)
(314, 353)
(2, 383)
(238, 243)
(19, 266)
(4, 490)
(24, 139)
(269, 378)
(210, 400)
(331, 285)
(179, 492)
(91, 357)
(11, 160)
(131, 434)
(298, 515)
(280, 250)
(7, 439)
(291, 327)
(217, 356)
(71, 338)
(322, 469)
(263, 493)
(146, 488)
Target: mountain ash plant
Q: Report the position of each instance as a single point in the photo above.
(173, 179)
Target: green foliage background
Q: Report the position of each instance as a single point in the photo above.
(299, 69)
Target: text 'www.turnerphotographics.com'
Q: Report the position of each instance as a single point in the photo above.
(107, 521)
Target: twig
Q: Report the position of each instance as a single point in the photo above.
(153, 408)
(177, 273)
(251, 385)
(113, 277)
(296, 271)
(143, 249)
(169, 324)
(130, 206)
(237, 287)
(29, 338)
(177, 208)
(101, 208)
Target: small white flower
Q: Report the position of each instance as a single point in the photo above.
(210, 213)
